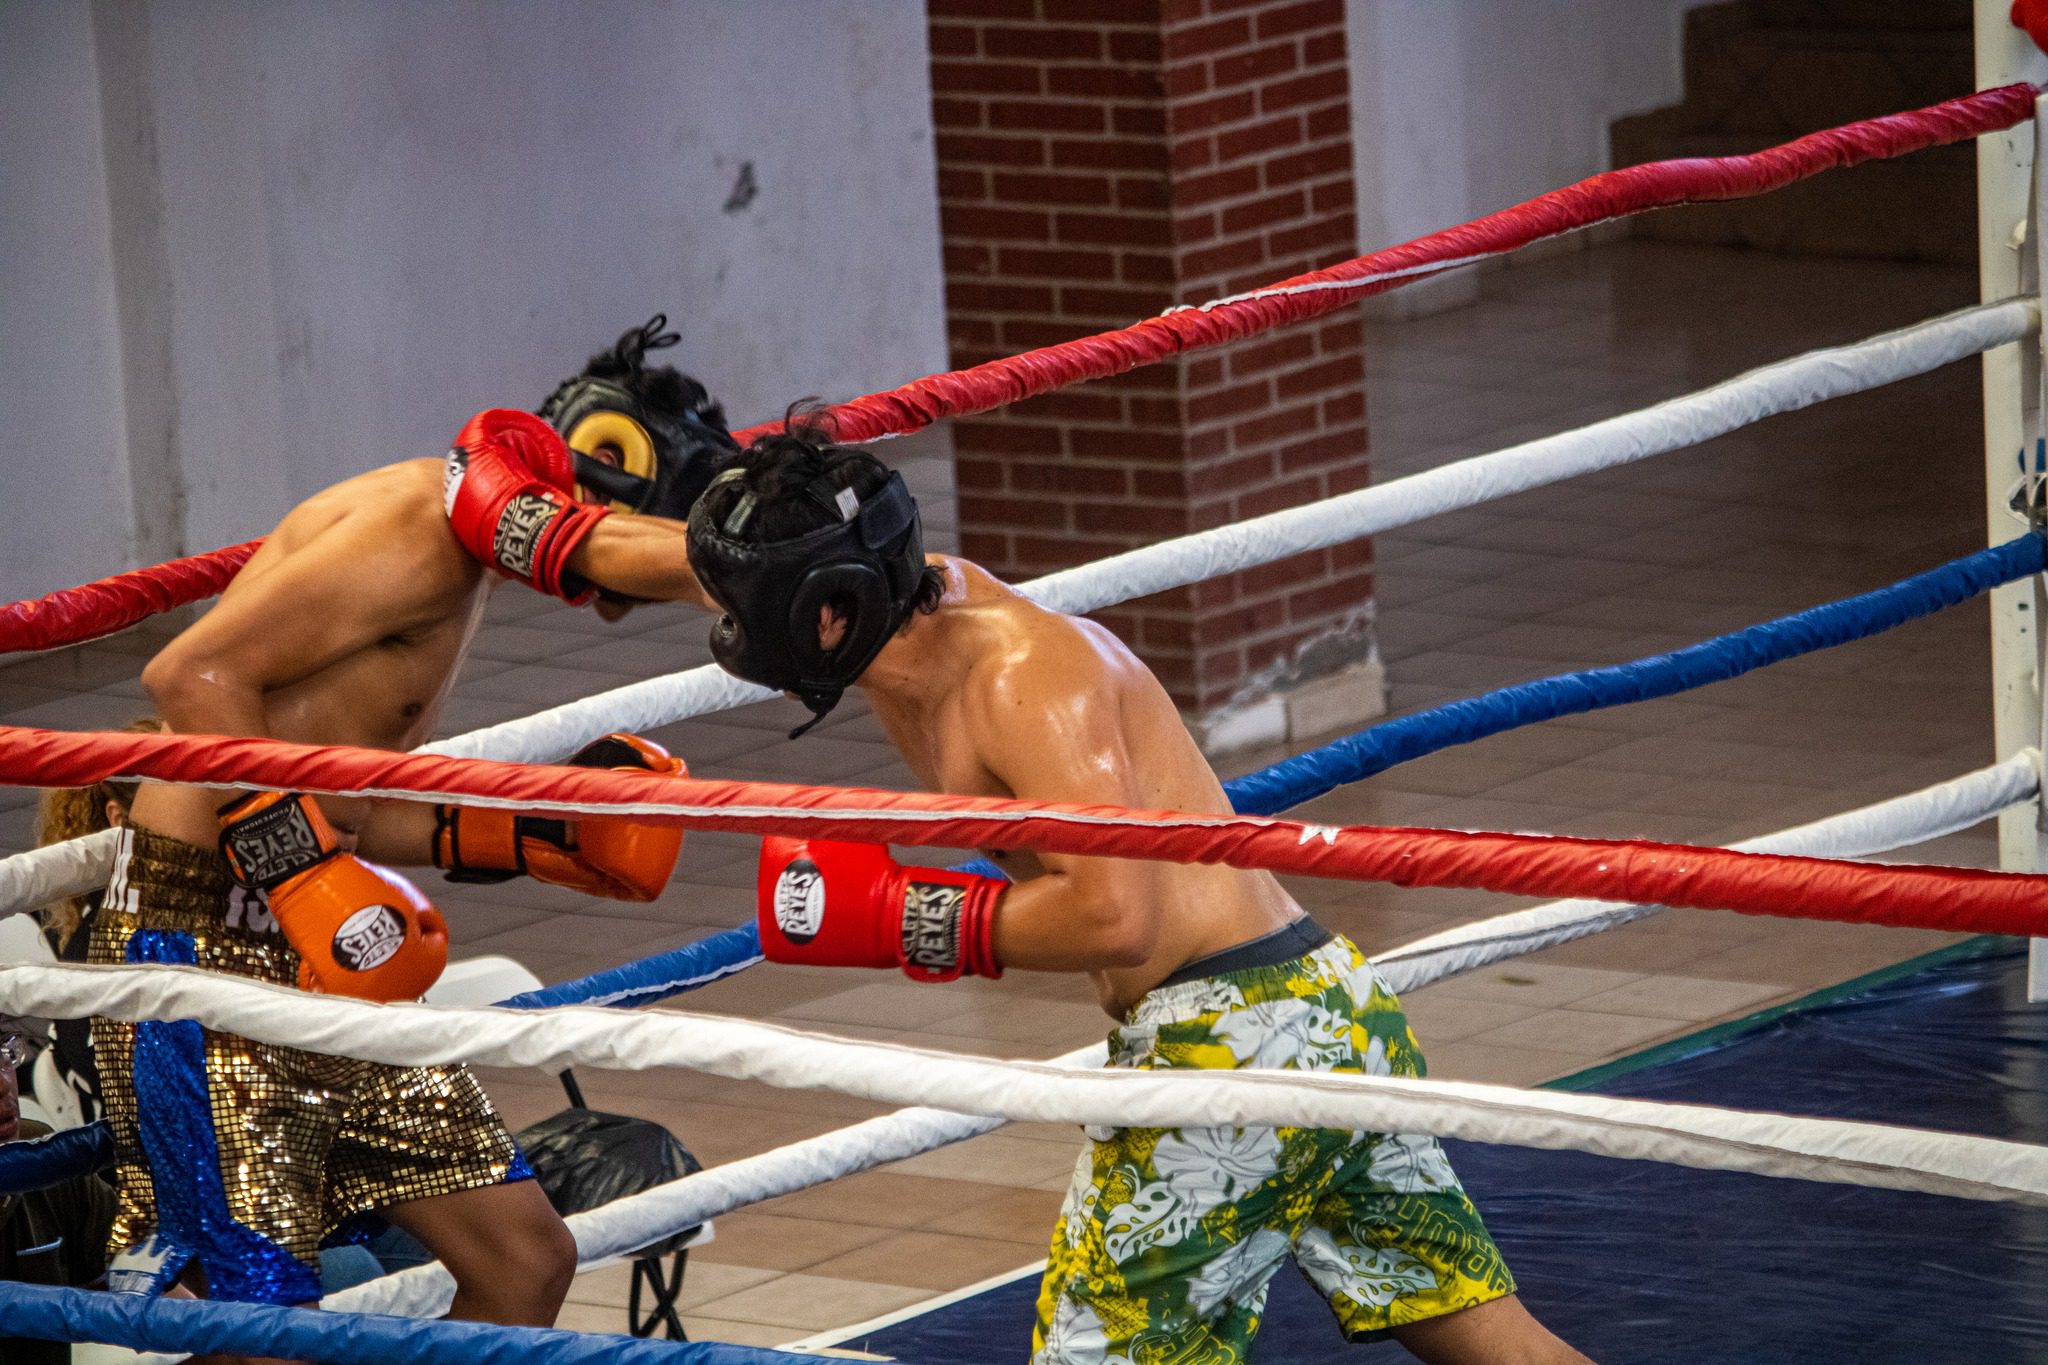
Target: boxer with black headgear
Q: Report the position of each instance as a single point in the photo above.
(812, 551)
(646, 439)
(831, 548)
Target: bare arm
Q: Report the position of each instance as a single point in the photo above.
(350, 585)
(355, 583)
(397, 833)
(645, 557)
(1047, 740)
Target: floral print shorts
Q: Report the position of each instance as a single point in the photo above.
(1169, 1235)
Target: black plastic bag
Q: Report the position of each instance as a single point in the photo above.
(585, 1157)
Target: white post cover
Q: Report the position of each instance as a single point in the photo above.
(2006, 251)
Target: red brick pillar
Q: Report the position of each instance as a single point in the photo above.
(1097, 164)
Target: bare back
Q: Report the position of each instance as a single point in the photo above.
(346, 627)
(1041, 706)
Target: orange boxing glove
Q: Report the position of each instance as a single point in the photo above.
(359, 929)
(615, 856)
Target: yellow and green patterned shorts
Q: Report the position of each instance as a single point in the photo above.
(1169, 1235)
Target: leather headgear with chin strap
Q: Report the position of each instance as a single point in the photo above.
(666, 454)
(867, 560)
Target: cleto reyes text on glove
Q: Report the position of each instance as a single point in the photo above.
(830, 903)
(508, 490)
(359, 929)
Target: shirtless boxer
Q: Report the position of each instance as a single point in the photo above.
(347, 627)
(1168, 1237)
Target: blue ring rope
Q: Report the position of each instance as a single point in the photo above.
(1302, 778)
(148, 1322)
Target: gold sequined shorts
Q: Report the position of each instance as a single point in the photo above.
(243, 1156)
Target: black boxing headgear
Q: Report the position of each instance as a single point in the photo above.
(867, 560)
(668, 450)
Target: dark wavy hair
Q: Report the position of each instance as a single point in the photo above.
(779, 466)
(662, 388)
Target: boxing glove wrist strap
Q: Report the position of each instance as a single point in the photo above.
(481, 846)
(268, 838)
(948, 927)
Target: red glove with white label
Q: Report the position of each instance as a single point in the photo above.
(509, 494)
(359, 929)
(828, 903)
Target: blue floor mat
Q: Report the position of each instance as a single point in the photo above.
(1637, 1262)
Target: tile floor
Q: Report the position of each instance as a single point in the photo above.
(1796, 511)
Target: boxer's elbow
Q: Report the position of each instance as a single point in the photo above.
(1115, 933)
(1127, 943)
(188, 692)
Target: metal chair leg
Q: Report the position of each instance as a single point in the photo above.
(664, 1289)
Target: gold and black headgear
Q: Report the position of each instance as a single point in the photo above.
(666, 438)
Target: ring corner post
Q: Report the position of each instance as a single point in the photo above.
(2010, 252)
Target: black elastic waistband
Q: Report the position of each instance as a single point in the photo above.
(1293, 939)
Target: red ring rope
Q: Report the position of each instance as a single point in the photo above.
(1612, 194)
(1625, 871)
(74, 615)
(96, 609)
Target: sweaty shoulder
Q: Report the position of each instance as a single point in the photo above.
(388, 523)
(1041, 674)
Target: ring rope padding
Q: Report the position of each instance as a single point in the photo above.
(1778, 1145)
(1963, 899)
(1290, 782)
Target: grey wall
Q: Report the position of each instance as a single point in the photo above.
(271, 244)
(68, 502)
(1462, 107)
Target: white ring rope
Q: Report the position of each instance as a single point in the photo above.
(424, 1035)
(72, 867)
(611, 1231)
(1916, 817)
(1785, 386)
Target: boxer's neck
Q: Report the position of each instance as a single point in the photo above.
(922, 662)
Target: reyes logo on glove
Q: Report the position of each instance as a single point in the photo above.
(369, 938)
(800, 901)
(931, 926)
(273, 845)
(517, 540)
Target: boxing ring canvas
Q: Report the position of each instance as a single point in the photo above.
(1728, 1268)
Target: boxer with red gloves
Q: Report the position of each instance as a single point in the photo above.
(814, 554)
(604, 855)
(348, 626)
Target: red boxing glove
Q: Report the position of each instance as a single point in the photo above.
(508, 494)
(2032, 15)
(359, 929)
(618, 856)
(828, 903)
